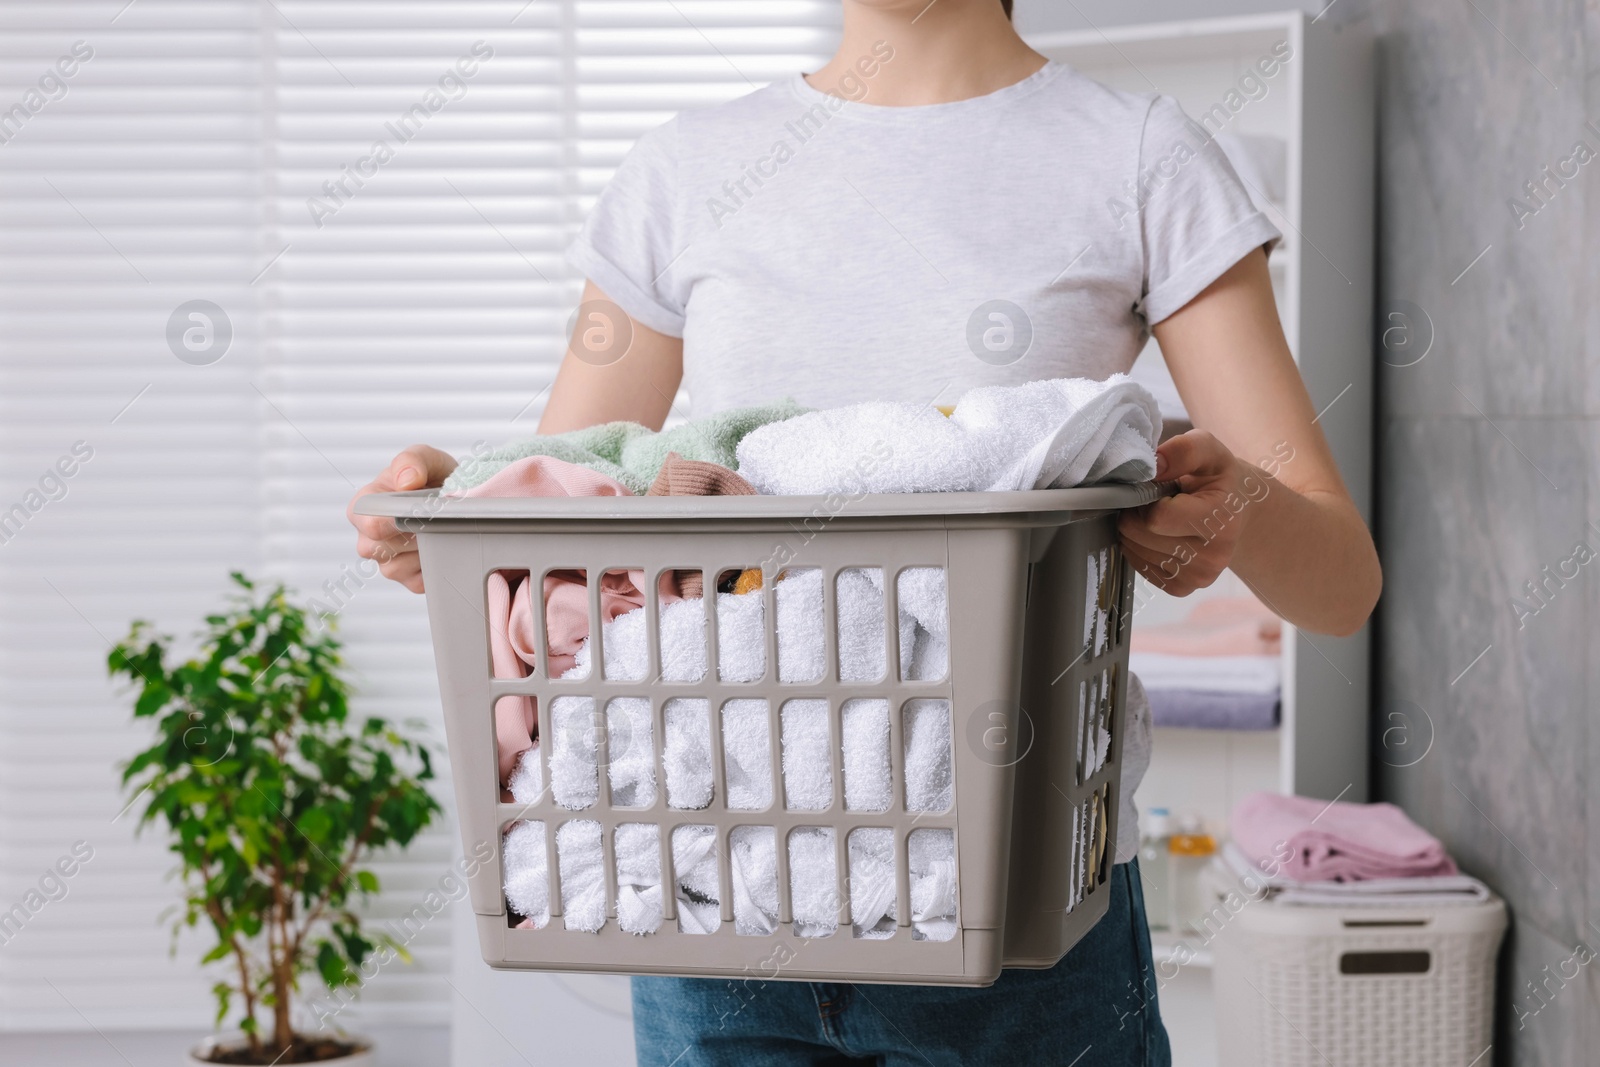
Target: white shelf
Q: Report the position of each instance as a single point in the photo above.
(1319, 104)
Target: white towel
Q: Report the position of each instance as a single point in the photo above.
(931, 853)
(867, 785)
(574, 747)
(807, 766)
(807, 756)
(755, 879)
(630, 752)
(872, 888)
(694, 859)
(527, 872)
(583, 880)
(929, 781)
(813, 881)
(686, 756)
(922, 631)
(638, 847)
(747, 753)
(1062, 432)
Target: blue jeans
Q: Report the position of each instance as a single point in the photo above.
(1097, 1006)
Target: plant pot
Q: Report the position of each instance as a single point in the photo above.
(363, 1056)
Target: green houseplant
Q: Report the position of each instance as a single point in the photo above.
(273, 800)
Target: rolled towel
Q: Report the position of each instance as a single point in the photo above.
(1043, 434)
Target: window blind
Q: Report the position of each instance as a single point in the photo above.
(369, 200)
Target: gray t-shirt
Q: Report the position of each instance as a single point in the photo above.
(835, 251)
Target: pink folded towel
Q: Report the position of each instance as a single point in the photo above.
(1310, 840)
(512, 631)
(1222, 626)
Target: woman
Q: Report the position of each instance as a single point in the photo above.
(937, 208)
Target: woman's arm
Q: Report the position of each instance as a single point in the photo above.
(614, 369)
(1260, 490)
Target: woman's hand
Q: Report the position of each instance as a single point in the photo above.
(1182, 543)
(377, 538)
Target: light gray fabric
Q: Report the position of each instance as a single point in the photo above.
(837, 251)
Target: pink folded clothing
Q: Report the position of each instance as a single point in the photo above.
(512, 633)
(1224, 626)
(1310, 840)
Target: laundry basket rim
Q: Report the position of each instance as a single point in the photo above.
(431, 506)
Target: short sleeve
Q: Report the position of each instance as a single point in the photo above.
(1197, 218)
(629, 240)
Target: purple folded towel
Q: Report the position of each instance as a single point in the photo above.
(1204, 710)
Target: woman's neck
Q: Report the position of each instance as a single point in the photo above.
(943, 51)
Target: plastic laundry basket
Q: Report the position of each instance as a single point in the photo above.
(1325, 986)
(1040, 602)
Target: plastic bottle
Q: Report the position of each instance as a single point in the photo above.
(1154, 868)
(1191, 848)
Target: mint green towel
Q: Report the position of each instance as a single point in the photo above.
(629, 452)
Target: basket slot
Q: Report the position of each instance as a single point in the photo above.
(858, 625)
(808, 735)
(927, 765)
(1393, 962)
(922, 591)
(754, 850)
(698, 871)
(931, 864)
(584, 875)
(631, 753)
(744, 642)
(636, 887)
(689, 764)
(750, 754)
(867, 783)
(805, 620)
(576, 739)
(814, 880)
(530, 851)
(873, 885)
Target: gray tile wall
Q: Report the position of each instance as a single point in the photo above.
(1486, 477)
(1487, 474)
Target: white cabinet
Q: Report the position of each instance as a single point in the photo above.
(1292, 102)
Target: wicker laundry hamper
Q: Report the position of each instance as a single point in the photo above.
(1039, 602)
(1301, 985)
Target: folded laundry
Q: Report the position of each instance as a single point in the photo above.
(1044, 434)
(1220, 626)
(1428, 890)
(1202, 709)
(1311, 840)
(628, 452)
(1262, 675)
(807, 777)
